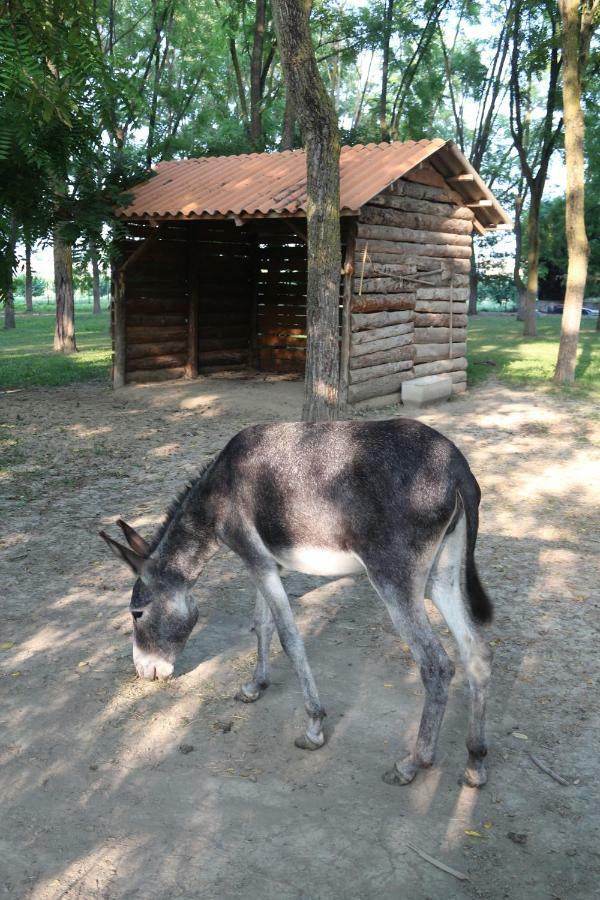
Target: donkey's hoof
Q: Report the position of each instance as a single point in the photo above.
(401, 774)
(475, 778)
(248, 693)
(304, 742)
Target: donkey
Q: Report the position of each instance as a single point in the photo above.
(393, 499)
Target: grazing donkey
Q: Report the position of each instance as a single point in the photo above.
(394, 499)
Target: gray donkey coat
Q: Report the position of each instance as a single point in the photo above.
(393, 499)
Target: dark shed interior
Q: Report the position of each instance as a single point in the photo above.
(200, 296)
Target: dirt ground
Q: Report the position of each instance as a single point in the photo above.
(101, 795)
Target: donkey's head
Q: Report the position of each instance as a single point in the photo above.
(163, 613)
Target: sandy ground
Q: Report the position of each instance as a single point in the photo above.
(98, 799)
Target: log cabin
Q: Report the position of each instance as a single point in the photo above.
(211, 270)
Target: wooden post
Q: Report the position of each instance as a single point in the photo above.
(191, 369)
(348, 270)
(118, 327)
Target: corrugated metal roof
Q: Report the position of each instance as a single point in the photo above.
(274, 184)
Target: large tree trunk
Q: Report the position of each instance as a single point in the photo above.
(473, 279)
(577, 242)
(9, 302)
(97, 309)
(28, 279)
(318, 123)
(533, 261)
(64, 334)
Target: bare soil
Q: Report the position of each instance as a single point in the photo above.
(114, 788)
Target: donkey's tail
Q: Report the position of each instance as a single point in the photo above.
(481, 606)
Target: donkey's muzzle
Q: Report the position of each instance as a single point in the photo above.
(151, 666)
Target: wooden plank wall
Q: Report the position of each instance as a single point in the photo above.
(156, 305)
(281, 304)
(413, 255)
(223, 256)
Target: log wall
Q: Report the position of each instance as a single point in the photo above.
(409, 302)
(156, 302)
(281, 304)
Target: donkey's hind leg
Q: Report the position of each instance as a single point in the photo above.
(476, 655)
(264, 627)
(403, 598)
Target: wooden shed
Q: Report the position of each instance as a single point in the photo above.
(212, 270)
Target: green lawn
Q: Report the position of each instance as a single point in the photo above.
(496, 346)
(27, 357)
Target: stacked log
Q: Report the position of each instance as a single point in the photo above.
(409, 306)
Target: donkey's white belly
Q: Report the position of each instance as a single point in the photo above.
(319, 561)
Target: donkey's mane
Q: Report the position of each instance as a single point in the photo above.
(175, 507)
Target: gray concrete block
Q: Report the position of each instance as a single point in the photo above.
(427, 389)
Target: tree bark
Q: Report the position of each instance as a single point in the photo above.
(473, 280)
(97, 309)
(9, 303)
(318, 122)
(577, 242)
(64, 334)
(28, 279)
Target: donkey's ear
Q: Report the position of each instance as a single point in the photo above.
(133, 560)
(135, 540)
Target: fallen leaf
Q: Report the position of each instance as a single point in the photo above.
(520, 735)
(488, 824)
(472, 833)
(82, 664)
(7, 645)
(386, 684)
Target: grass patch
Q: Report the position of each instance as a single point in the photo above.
(27, 357)
(497, 346)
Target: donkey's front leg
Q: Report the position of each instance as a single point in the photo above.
(264, 627)
(270, 586)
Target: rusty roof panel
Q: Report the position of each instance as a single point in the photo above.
(272, 184)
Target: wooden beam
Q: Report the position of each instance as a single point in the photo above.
(348, 270)
(480, 203)
(464, 176)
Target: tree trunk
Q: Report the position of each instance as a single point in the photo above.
(577, 242)
(64, 334)
(28, 279)
(256, 129)
(473, 280)
(533, 260)
(97, 309)
(9, 303)
(318, 122)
